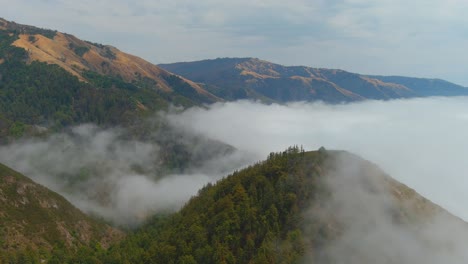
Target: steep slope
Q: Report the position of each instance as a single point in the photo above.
(295, 206)
(234, 79)
(36, 220)
(78, 57)
(53, 80)
(242, 78)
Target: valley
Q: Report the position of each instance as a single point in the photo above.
(108, 158)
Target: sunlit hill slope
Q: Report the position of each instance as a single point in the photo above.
(244, 78)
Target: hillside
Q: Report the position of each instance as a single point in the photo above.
(425, 87)
(78, 57)
(54, 80)
(244, 78)
(36, 222)
(294, 207)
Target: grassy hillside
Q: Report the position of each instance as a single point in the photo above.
(54, 80)
(249, 78)
(425, 86)
(36, 223)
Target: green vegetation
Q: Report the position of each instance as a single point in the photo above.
(38, 224)
(250, 78)
(108, 53)
(47, 95)
(255, 215)
(184, 89)
(79, 50)
(252, 216)
(32, 39)
(25, 29)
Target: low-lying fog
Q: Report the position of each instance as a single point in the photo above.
(420, 142)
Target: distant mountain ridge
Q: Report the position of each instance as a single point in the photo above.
(251, 78)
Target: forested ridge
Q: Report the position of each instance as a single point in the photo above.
(260, 214)
(251, 216)
(45, 95)
(275, 211)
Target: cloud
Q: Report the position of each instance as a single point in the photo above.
(417, 38)
(375, 227)
(420, 142)
(107, 173)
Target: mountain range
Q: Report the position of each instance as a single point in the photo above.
(295, 206)
(251, 78)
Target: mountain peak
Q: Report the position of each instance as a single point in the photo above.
(253, 78)
(82, 58)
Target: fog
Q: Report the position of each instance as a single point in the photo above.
(122, 180)
(420, 142)
(377, 226)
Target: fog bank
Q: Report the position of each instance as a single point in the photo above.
(123, 180)
(420, 142)
(381, 221)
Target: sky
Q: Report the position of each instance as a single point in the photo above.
(420, 38)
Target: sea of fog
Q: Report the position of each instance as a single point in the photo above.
(420, 142)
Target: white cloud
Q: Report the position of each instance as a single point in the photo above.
(421, 142)
(104, 173)
(420, 38)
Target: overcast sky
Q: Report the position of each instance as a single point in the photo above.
(423, 38)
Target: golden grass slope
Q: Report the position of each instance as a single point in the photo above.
(105, 60)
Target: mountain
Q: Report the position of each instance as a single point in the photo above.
(425, 87)
(250, 78)
(36, 222)
(80, 57)
(52, 79)
(295, 207)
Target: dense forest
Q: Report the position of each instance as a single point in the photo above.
(251, 216)
(275, 211)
